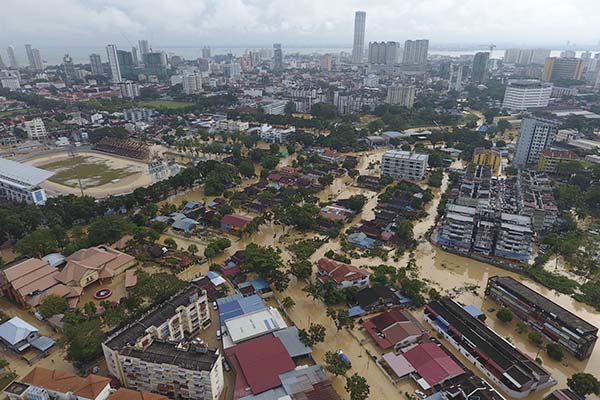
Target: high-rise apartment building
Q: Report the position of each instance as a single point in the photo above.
(113, 61)
(129, 90)
(358, 45)
(143, 46)
(69, 67)
(277, 57)
(192, 83)
(158, 352)
(96, 64)
(127, 65)
(34, 57)
(535, 135)
(2, 65)
(523, 94)
(400, 164)
(386, 53)
(12, 58)
(29, 52)
(327, 62)
(402, 95)
(455, 81)
(415, 52)
(480, 67)
(134, 55)
(206, 52)
(559, 68)
(526, 56)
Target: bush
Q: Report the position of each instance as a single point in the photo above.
(535, 338)
(504, 315)
(555, 351)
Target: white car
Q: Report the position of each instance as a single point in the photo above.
(214, 305)
(218, 334)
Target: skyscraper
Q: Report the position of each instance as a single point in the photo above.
(480, 67)
(34, 57)
(12, 58)
(535, 135)
(126, 64)
(558, 68)
(206, 52)
(358, 46)
(415, 52)
(69, 69)
(96, 64)
(30, 59)
(383, 53)
(113, 61)
(455, 81)
(402, 95)
(192, 83)
(2, 65)
(277, 57)
(144, 47)
(134, 54)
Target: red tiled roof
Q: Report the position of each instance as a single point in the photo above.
(238, 221)
(262, 360)
(339, 271)
(433, 363)
(388, 318)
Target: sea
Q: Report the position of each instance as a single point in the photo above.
(54, 55)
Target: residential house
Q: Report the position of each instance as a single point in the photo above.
(393, 329)
(343, 275)
(233, 223)
(18, 335)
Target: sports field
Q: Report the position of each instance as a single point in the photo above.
(93, 171)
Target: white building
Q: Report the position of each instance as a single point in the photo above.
(275, 135)
(113, 61)
(9, 80)
(232, 125)
(251, 325)
(155, 353)
(21, 182)
(129, 90)
(415, 52)
(358, 45)
(523, 94)
(407, 165)
(535, 135)
(36, 129)
(192, 83)
(402, 95)
(138, 114)
(275, 107)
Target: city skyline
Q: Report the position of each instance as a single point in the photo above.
(237, 23)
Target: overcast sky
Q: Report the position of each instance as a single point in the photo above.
(47, 23)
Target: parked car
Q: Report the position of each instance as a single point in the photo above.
(218, 334)
(226, 366)
(214, 305)
(344, 358)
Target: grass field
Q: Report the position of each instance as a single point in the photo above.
(91, 171)
(164, 104)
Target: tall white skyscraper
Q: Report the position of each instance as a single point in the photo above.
(358, 46)
(192, 83)
(34, 57)
(535, 135)
(29, 52)
(115, 70)
(415, 52)
(12, 58)
(144, 47)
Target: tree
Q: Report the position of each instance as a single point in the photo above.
(170, 244)
(356, 202)
(90, 309)
(108, 229)
(503, 125)
(84, 340)
(301, 269)
(288, 303)
(315, 334)
(340, 318)
(290, 108)
(583, 384)
(404, 230)
(38, 243)
(246, 168)
(334, 364)
(535, 338)
(192, 248)
(267, 263)
(358, 387)
(555, 351)
(52, 305)
(504, 315)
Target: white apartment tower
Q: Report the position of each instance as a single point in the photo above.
(113, 61)
(521, 95)
(535, 135)
(402, 95)
(400, 164)
(358, 45)
(144, 47)
(96, 64)
(192, 83)
(12, 58)
(415, 52)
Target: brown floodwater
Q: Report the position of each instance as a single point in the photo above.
(462, 278)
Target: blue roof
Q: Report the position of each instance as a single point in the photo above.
(191, 205)
(356, 311)
(236, 305)
(393, 133)
(184, 224)
(474, 311)
(260, 284)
